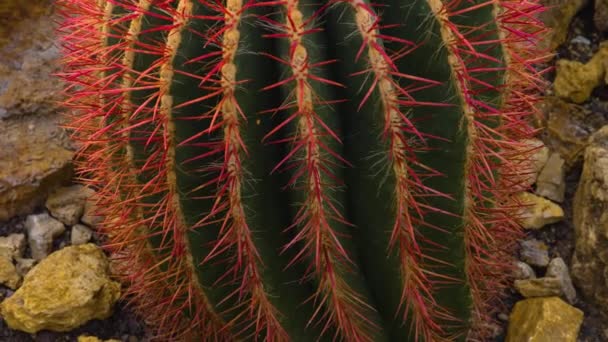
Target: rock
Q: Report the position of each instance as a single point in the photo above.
(41, 230)
(8, 272)
(538, 212)
(558, 15)
(24, 265)
(600, 15)
(538, 153)
(574, 81)
(12, 246)
(539, 287)
(31, 167)
(534, 252)
(28, 60)
(569, 127)
(589, 267)
(81, 234)
(523, 271)
(558, 269)
(65, 290)
(90, 217)
(67, 203)
(83, 338)
(551, 179)
(546, 319)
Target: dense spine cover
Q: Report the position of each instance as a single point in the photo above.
(289, 170)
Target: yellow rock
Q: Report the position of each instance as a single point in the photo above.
(8, 272)
(83, 338)
(65, 290)
(575, 81)
(538, 211)
(546, 319)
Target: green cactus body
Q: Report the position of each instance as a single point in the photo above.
(301, 170)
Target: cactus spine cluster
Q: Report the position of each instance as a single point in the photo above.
(301, 170)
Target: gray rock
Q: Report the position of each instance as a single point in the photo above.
(13, 245)
(589, 267)
(41, 230)
(67, 203)
(523, 271)
(534, 252)
(539, 287)
(558, 269)
(81, 234)
(551, 182)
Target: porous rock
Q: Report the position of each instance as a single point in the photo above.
(544, 319)
(41, 230)
(589, 267)
(537, 212)
(574, 81)
(65, 290)
(8, 272)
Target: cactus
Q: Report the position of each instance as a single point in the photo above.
(301, 170)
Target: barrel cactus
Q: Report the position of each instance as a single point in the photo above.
(305, 170)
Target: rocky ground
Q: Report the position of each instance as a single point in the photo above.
(54, 277)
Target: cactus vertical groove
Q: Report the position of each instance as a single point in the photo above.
(297, 170)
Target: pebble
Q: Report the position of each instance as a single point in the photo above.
(537, 212)
(8, 273)
(24, 265)
(534, 252)
(67, 204)
(544, 319)
(523, 271)
(558, 269)
(41, 230)
(81, 234)
(539, 287)
(551, 179)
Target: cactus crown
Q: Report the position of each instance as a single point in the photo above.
(301, 170)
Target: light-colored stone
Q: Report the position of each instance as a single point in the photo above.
(539, 287)
(65, 290)
(551, 179)
(557, 17)
(81, 234)
(589, 268)
(8, 272)
(534, 252)
(523, 271)
(41, 230)
(67, 203)
(537, 212)
(558, 269)
(574, 81)
(545, 319)
(24, 265)
(13, 245)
